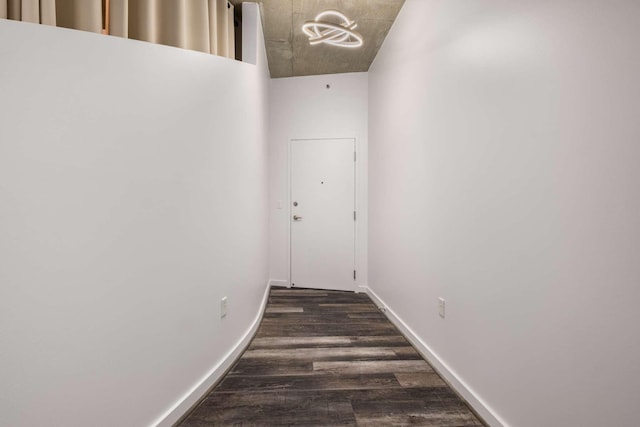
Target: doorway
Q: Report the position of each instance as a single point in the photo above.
(323, 213)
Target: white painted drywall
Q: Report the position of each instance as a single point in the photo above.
(303, 108)
(133, 197)
(504, 177)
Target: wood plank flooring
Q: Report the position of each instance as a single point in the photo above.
(328, 358)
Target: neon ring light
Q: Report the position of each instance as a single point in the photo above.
(341, 34)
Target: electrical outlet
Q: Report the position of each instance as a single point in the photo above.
(441, 307)
(223, 307)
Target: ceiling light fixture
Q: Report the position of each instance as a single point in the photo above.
(337, 34)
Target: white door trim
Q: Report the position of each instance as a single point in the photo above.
(356, 194)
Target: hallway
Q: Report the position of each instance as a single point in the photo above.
(329, 358)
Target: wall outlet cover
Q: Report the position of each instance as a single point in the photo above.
(441, 307)
(223, 307)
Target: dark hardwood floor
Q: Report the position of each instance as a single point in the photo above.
(328, 358)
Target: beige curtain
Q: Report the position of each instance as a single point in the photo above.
(142, 20)
(119, 18)
(213, 25)
(36, 11)
(184, 23)
(231, 32)
(170, 20)
(203, 25)
(85, 15)
(48, 12)
(197, 26)
(15, 9)
(222, 31)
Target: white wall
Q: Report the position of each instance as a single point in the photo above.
(133, 183)
(504, 177)
(303, 108)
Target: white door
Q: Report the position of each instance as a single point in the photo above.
(323, 213)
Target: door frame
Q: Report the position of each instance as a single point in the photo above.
(356, 193)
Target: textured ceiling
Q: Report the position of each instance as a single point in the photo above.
(288, 48)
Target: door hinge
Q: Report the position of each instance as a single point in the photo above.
(354, 215)
(354, 156)
(354, 275)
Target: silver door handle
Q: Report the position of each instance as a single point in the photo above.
(297, 218)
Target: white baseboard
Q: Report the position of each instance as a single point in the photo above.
(439, 365)
(181, 407)
(279, 283)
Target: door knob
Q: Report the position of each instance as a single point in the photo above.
(297, 218)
